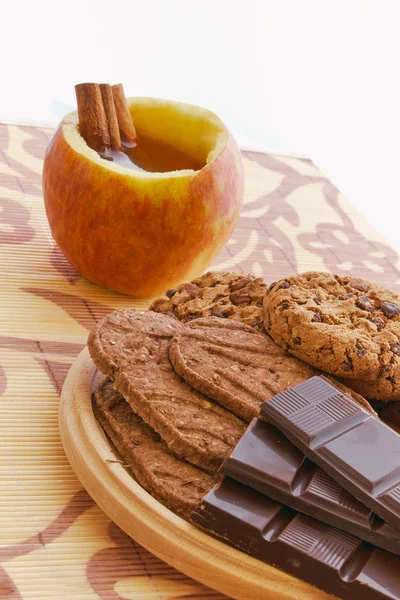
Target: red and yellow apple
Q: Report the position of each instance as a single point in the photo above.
(136, 232)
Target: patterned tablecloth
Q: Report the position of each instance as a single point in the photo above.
(54, 541)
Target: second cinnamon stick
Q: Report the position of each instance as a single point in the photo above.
(126, 127)
(111, 114)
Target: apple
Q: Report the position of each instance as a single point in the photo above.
(136, 232)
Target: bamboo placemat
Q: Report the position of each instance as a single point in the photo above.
(54, 541)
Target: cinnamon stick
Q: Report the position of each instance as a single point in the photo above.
(126, 127)
(93, 124)
(111, 114)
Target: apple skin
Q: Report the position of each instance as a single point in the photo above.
(138, 235)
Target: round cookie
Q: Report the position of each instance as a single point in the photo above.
(343, 325)
(238, 367)
(216, 294)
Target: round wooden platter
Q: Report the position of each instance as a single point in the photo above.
(159, 530)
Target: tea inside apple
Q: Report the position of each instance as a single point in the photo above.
(155, 156)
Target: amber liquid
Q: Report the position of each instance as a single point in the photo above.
(155, 156)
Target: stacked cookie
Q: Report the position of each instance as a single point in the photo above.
(178, 396)
(175, 483)
(173, 438)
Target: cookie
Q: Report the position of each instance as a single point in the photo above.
(131, 348)
(343, 325)
(227, 295)
(237, 366)
(385, 387)
(175, 483)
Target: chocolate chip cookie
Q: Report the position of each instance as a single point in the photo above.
(343, 325)
(237, 366)
(228, 295)
(131, 348)
(175, 483)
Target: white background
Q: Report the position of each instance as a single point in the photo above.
(312, 77)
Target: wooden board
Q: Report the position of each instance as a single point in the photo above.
(55, 542)
(159, 530)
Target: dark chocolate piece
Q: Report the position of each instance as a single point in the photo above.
(267, 461)
(355, 448)
(319, 554)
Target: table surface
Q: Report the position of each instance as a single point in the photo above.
(54, 541)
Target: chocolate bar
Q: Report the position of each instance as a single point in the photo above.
(267, 461)
(319, 554)
(355, 448)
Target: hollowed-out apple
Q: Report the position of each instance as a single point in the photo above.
(137, 232)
